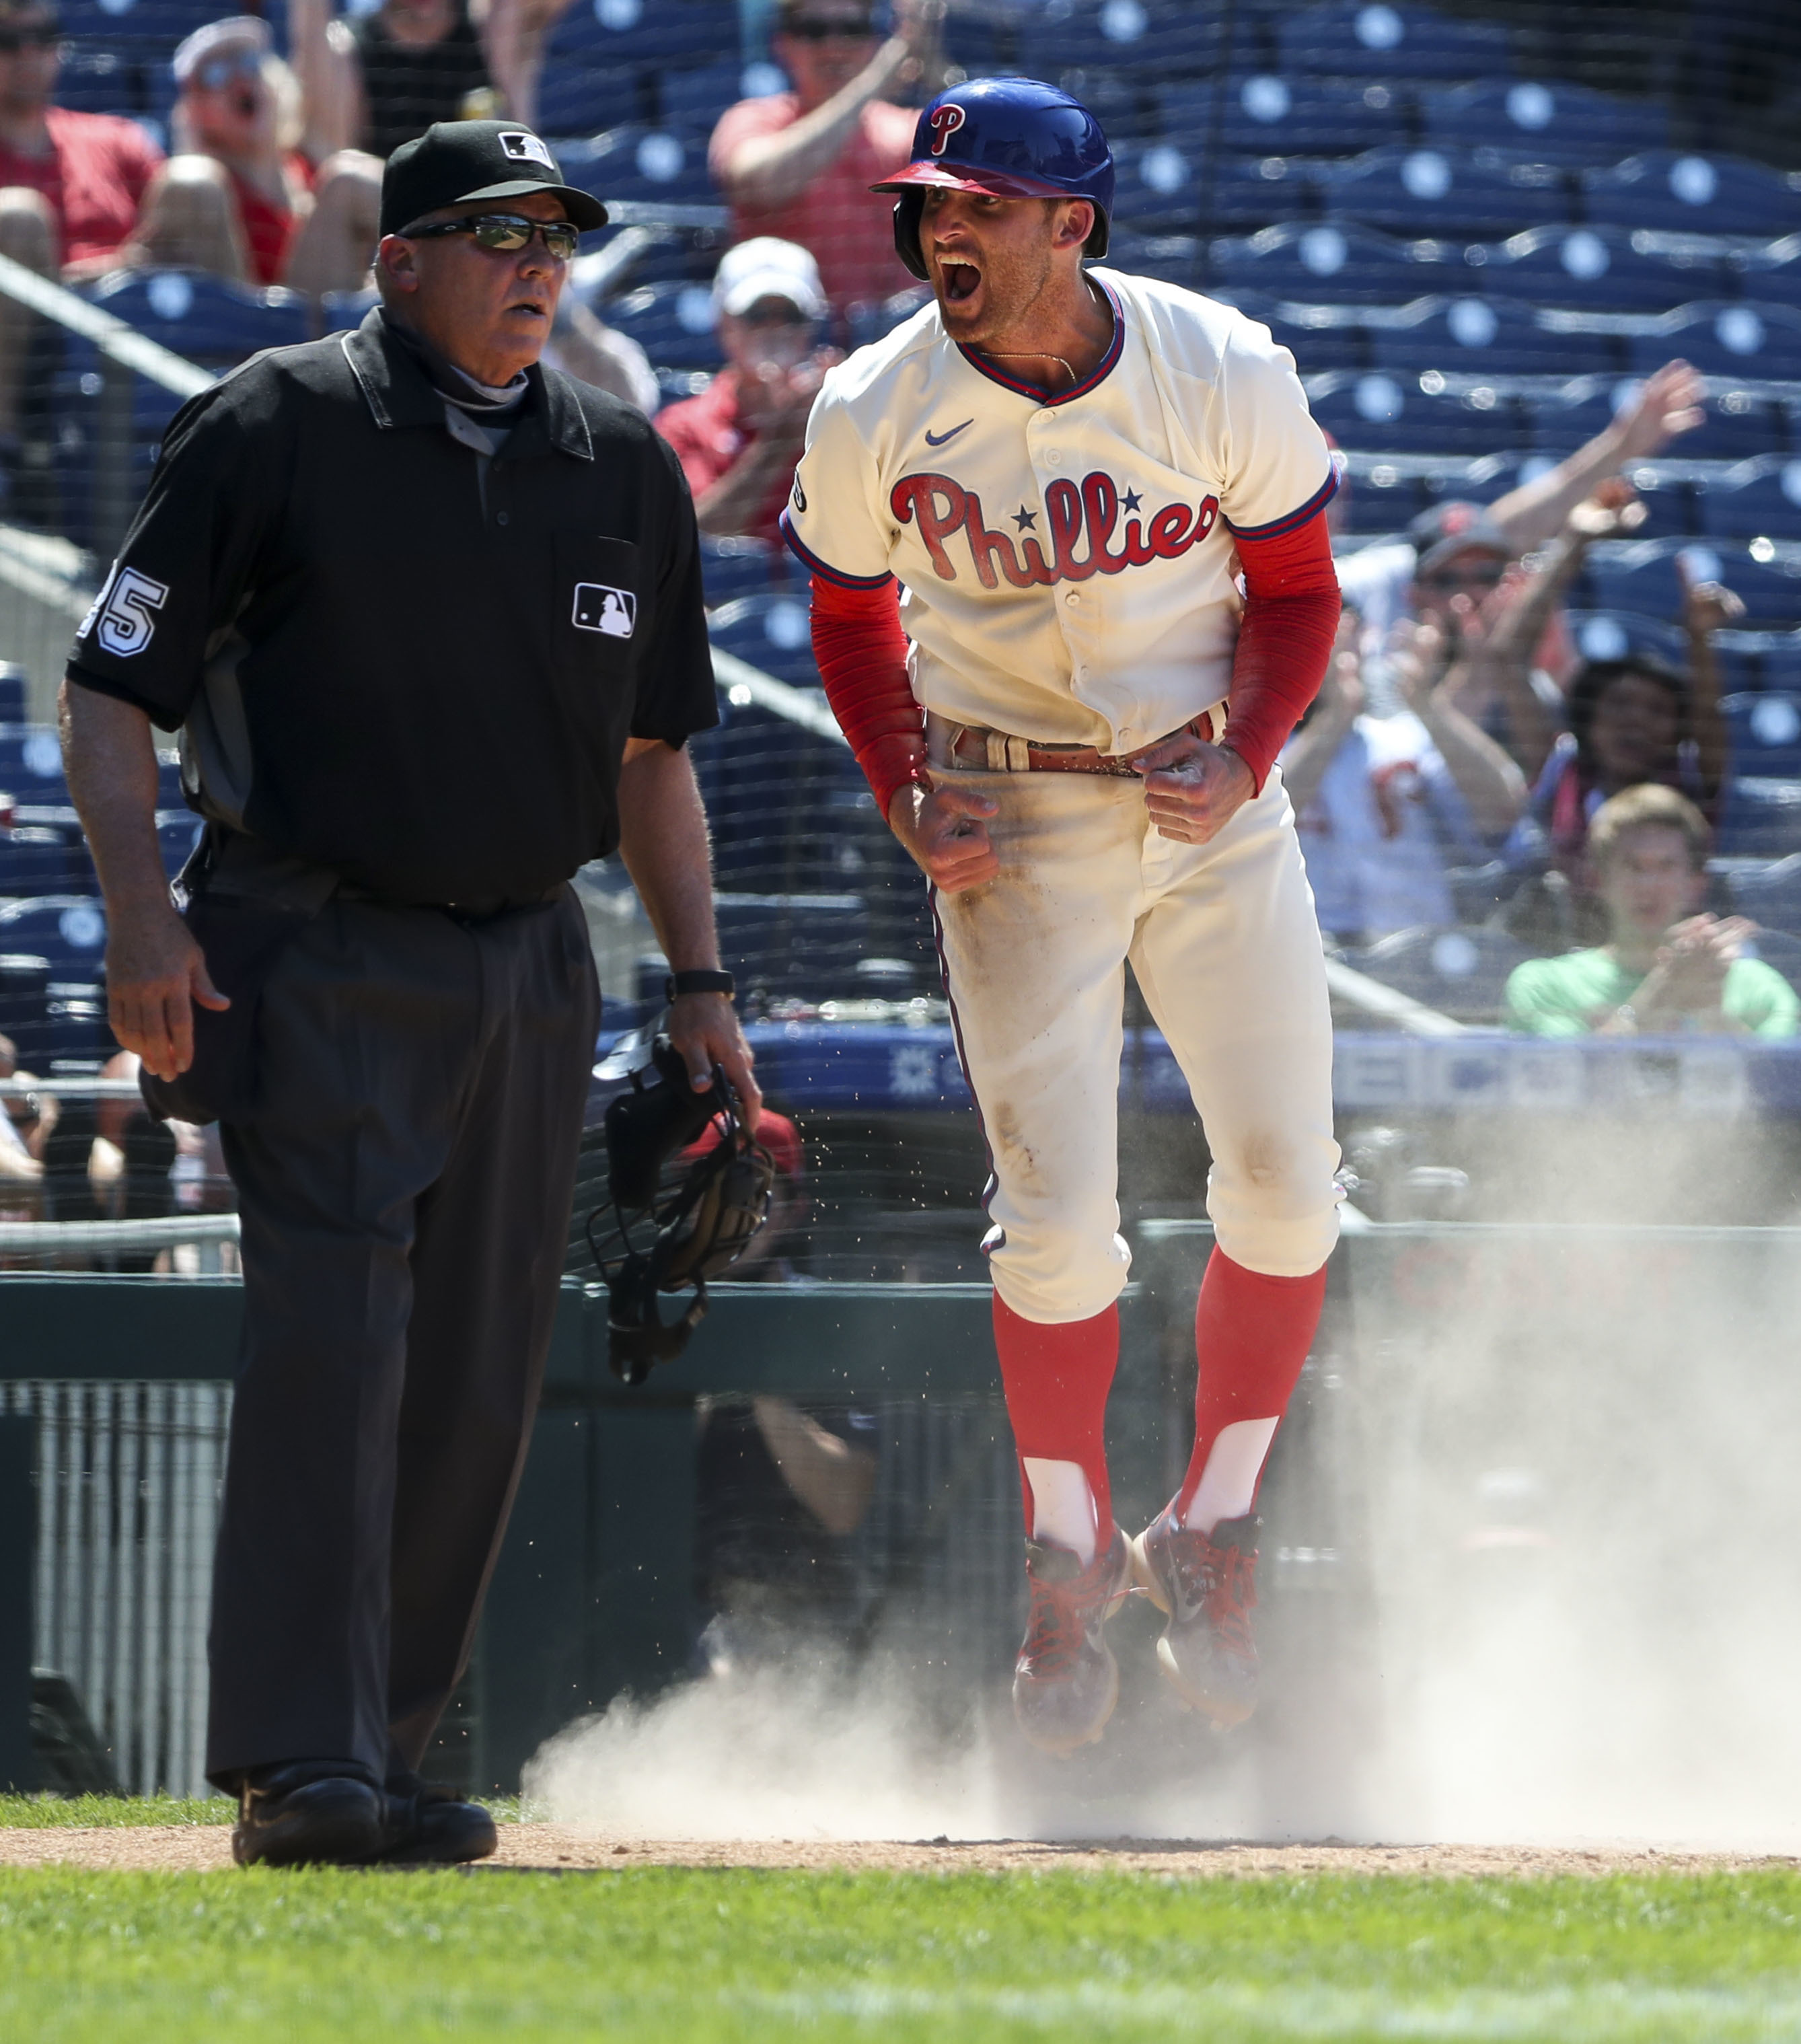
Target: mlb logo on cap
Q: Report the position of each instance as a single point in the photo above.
(524, 148)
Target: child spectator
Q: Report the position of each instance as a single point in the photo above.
(1384, 805)
(1665, 968)
(798, 165)
(241, 200)
(740, 438)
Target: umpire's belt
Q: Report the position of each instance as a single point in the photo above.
(974, 748)
(476, 910)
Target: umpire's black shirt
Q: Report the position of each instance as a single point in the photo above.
(403, 660)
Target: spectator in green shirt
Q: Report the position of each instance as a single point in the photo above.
(1667, 969)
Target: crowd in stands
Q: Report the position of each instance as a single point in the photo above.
(1474, 729)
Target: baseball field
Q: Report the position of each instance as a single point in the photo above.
(121, 1921)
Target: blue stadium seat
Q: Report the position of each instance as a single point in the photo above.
(1760, 818)
(1249, 192)
(1769, 893)
(696, 96)
(1560, 420)
(69, 930)
(106, 77)
(204, 318)
(1318, 337)
(1765, 730)
(1734, 339)
(1460, 973)
(1469, 336)
(1596, 269)
(734, 568)
(1157, 188)
(665, 165)
(805, 945)
(1347, 264)
(1352, 39)
(25, 996)
(1380, 413)
(164, 22)
(1754, 499)
(12, 692)
(1642, 576)
(1267, 115)
(1740, 426)
(1167, 34)
(31, 764)
(1773, 272)
(609, 34)
(772, 631)
(1670, 500)
(674, 323)
(1445, 192)
(1381, 499)
(339, 311)
(1667, 191)
(1612, 635)
(38, 860)
(1560, 123)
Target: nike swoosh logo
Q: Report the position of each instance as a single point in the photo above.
(938, 439)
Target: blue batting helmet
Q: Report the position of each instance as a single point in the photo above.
(1011, 138)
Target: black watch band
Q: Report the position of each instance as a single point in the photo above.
(679, 983)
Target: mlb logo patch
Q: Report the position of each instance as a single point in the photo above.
(600, 608)
(525, 148)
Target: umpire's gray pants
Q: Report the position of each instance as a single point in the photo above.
(405, 1181)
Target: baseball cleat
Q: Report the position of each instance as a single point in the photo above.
(1206, 1587)
(1065, 1681)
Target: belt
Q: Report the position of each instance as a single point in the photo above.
(972, 746)
(477, 910)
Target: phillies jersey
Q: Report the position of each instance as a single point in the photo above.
(1067, 564)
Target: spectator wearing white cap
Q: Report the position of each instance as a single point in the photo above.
(241, 198)
(740, 439)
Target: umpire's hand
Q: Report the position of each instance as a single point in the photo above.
(704, 1028)
(155, 974)
(946, 830)
(1193, 789)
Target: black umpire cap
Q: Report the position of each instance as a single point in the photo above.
(456, 163)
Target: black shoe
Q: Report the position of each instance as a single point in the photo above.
(295, 1816)
(428, 1827)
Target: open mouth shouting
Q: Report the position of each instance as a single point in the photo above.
(962, 276)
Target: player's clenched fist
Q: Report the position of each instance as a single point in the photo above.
(946, 830)
(1193, 789)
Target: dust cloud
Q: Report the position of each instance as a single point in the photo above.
(1557, 1465)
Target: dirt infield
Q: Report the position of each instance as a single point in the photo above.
(550, 1848)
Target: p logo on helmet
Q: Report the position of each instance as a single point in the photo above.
(946, 121)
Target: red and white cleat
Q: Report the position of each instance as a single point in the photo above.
(1065, 1681)
(1207, 1586)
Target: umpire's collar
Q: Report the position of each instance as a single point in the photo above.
(399, 393)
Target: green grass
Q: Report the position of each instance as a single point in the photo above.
(679, 1955)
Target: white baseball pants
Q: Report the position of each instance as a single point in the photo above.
(1223, 940)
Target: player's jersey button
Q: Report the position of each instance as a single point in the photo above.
(1074, 598)
(1053, 457)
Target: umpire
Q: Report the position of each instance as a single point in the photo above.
(428, 618)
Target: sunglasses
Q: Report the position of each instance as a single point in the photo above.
(12, 39)
(507, 233)
(218, 72)
(823, 29)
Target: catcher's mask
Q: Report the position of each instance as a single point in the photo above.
(699, 1212)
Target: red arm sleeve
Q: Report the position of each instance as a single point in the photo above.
(1291, 614)
(862, 653)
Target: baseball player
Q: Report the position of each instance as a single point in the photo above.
(1026, 512)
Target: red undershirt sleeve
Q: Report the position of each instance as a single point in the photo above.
(1284, 642)
(862, 652)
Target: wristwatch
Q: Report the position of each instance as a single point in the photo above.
(698, 981)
